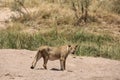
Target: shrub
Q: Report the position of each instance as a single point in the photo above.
(116, 6)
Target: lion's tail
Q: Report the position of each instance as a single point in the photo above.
(36, 58)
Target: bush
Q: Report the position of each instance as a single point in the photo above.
(116, 6)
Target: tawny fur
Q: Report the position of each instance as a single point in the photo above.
(54, 53)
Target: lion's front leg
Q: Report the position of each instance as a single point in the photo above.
(62, 63)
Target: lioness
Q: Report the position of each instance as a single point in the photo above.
(54, 53)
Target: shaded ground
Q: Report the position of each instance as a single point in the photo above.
(15, 65)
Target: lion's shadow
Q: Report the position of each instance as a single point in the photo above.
(53, 69)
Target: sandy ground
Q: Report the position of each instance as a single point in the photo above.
(5, 15)
(15, 65)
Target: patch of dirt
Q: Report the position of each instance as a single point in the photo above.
(15, 65)
(5, 14)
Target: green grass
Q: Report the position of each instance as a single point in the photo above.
(89, 44)
(19, 40)
(96, 45)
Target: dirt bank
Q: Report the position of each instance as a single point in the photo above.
(15, 65)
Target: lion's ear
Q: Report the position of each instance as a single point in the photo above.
(76, 46)
(69, 45)
(48, 49)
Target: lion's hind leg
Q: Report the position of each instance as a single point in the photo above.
(45, 62)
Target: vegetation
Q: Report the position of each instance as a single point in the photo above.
(58, 22)
(89, 44)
